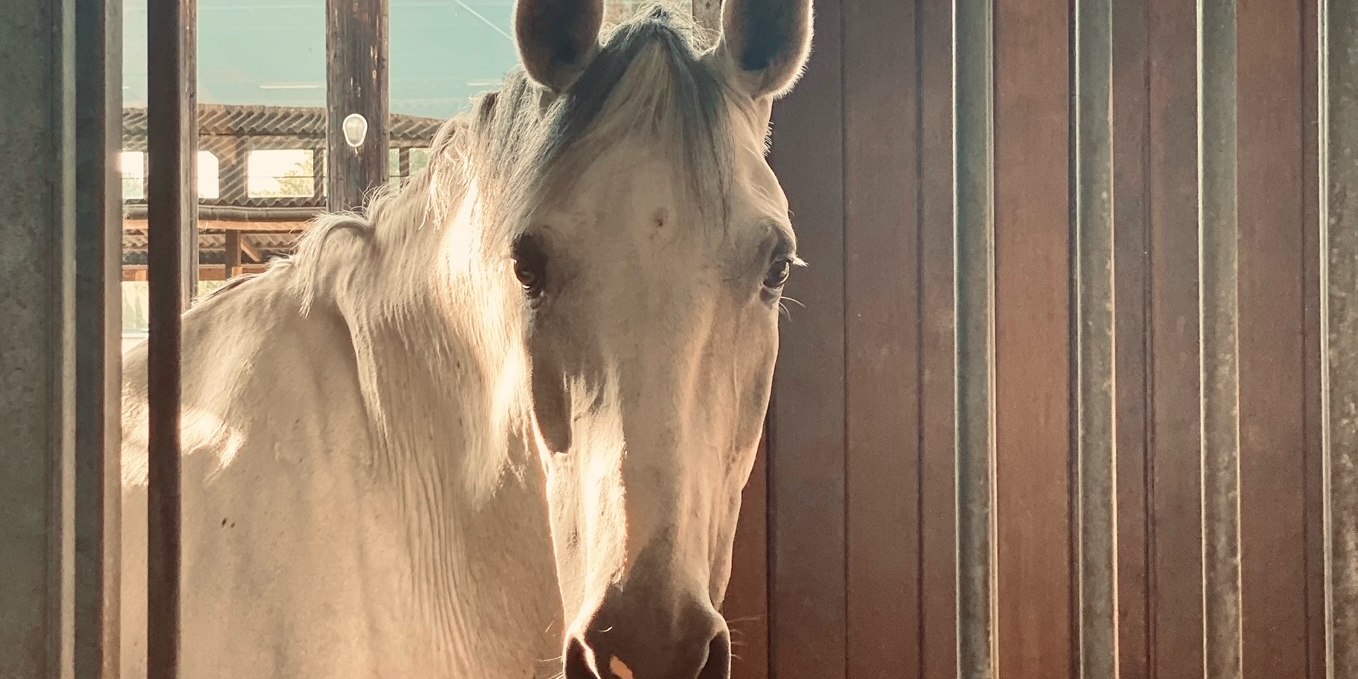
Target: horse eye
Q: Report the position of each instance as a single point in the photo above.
(778, 274)
(529, 274)
(530, 264)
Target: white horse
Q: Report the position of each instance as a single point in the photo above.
(499, 427)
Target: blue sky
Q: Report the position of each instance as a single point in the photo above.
(261, 52)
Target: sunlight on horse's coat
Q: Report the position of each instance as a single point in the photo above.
(503, 400)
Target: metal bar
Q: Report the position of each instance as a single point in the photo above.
(98, 481)
(1339, 328)
(1218, 325)
(974, 266)
(1096, 404)
(172, 271)
(37, 338)
(356, 79)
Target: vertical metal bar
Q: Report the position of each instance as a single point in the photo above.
(974, 267)
(356, 78)
(1095, 334)
(1218, 325)
(171, 270)
(1339, 328)
(37, 339)
(98, 247)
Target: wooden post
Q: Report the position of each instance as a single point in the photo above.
(232, 254)
(172, 265)
(234, 189)
(356, 78)
(707, 13)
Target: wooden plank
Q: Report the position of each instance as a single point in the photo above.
(974, 266)
(707, 13)
(1313, 341)
(135, 272)
(1032, 359)
(1339, 325)
(98, 449)
(172, 257)
(1176, 551)
(1272, 351)
(249, 249)
(882, 341)
(938, 451)
(232, 254)
(1131, 209)
(356, 36)
(747, 597)
(806, 493)
(1095, 338)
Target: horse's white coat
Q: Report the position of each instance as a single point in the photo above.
(397, 466)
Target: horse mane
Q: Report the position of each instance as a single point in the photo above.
(387, 270)
(521, 146)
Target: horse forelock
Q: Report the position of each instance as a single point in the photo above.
(385, 269)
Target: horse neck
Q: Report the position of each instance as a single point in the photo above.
(442, 386)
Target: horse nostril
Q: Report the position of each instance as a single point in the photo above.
(577, 666)
(718, 664)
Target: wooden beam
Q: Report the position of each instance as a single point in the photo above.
(707, 13)
(232, 247)
(356, 78)
(249, 249)
(132, 273)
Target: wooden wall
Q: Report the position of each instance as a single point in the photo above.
(1073, 390)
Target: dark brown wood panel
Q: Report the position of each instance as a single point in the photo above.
(1131, 254)
(855, 566)
(807, 626)
(1272, 356)
(1032, 324)
(1176, 548)
(1311, 340)
(938, 461)
(881, 322)
(747, 598)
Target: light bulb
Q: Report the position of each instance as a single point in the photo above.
(355, 129)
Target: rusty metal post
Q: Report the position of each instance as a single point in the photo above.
(171, 272)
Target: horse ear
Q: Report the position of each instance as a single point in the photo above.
(767, 42)
(557, 38)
